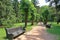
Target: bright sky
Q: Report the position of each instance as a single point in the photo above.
(42, 3)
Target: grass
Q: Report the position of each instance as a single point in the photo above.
(29, 27)
(3, 34)
(55, 29)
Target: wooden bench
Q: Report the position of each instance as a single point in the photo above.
(14, 32)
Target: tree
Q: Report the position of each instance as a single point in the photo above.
(16, 9)
(45, 15)
(7, 17)
(1, 10)
(57, 5)
(36, 2)
(25, 8)
(32, 18)
(32, 12)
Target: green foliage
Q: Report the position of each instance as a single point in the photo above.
(57, 6)
(51, 15)
(37, 15)
(25, 5)
(7, 16)
(44, 13)
(16, 8)
(32, 11)
(12, 11)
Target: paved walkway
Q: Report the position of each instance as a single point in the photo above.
(37, 33)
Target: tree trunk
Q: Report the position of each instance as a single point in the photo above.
(45, 22)
(26, 16)
(0, 23)
(36, 20)
(32, 19)
(32, 22)
(57, 22)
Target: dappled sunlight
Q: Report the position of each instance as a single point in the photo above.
(29, 19)
(37, 33)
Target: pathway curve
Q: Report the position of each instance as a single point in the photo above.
(37, 33)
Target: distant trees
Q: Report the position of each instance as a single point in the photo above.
(56, 4)
(47, 14)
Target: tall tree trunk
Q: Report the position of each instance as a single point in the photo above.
(26, 18)
(16, 16)
(58, 21)
(45, 22)
(36, 19)
(1, 21)
(32, 18)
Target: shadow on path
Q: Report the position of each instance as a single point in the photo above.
(37, 33)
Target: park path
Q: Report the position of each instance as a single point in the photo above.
(37, 33)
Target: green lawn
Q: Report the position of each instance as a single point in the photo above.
(3, 34)
(55, 29)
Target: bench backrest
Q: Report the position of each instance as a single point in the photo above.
(11, 30)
